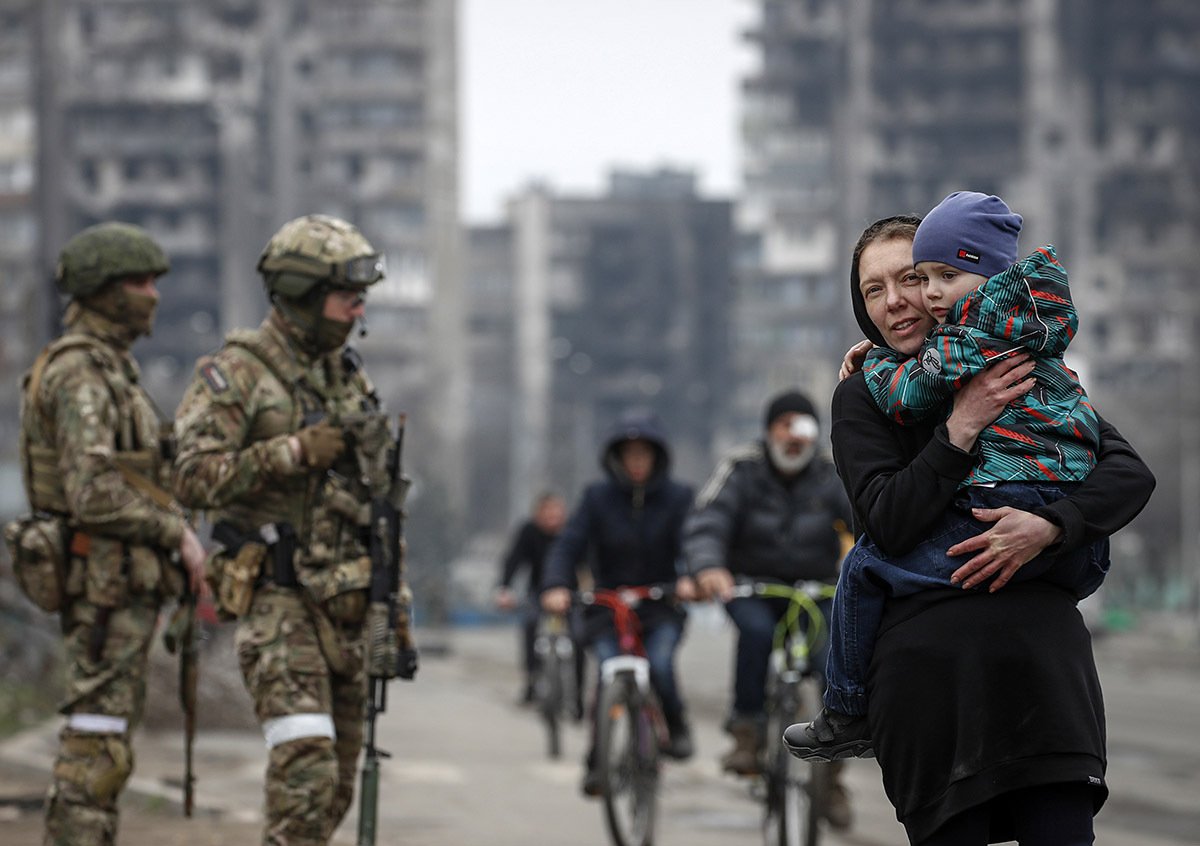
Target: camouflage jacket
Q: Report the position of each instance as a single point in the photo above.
(234, 460)
(90, 414)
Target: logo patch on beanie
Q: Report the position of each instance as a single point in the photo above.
(967, 255)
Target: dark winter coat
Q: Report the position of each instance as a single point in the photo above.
(627, 535)
(755, 522)
(529, 549)
(1002, 687)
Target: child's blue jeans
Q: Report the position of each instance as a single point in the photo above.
(869, 578)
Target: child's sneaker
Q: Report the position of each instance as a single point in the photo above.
(830, 737)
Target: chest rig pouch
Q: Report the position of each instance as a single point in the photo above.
(329, 552)
(52, 560)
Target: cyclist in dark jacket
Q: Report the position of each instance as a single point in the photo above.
(629, 526)
(527, 550)
(773, 509)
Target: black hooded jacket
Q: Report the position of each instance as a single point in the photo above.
(754, 522)
(627, 535)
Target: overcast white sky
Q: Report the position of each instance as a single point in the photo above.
(563, 90)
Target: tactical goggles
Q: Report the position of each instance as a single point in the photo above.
(353, 273)
(364, 270)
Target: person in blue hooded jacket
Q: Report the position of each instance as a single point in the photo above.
(628, 526)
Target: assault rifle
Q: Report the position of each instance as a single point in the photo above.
(390, 650)
(180, 636)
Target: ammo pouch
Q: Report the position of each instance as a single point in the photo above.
(233, 577)
(246, 560)
(39, 548)
(341, 589)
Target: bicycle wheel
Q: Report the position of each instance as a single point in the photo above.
(627, 758)
(789, 817)
(820, 779)
(550, 700)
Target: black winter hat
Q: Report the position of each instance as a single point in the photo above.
(790, 400)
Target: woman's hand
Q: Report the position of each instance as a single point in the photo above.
(983, 398)
(854, 358)
(1016, 539)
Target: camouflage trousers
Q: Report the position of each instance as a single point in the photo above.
(309, 695)
(104, 701)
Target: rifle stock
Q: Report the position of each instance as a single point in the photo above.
(180, 637)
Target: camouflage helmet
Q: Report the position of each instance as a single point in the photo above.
(317, 249)
(104, 252)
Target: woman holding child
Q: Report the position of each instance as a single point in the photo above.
(983, 707)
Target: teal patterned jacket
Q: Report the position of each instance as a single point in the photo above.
(1050, 434)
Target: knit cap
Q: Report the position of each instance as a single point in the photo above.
(977, 233)
(782, 403)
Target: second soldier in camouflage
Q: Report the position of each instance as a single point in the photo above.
(261, 449)
(94, 468)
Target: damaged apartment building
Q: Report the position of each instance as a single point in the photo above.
(1082, 114)
(212, 123)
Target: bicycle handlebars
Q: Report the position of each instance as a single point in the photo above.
(810, 588)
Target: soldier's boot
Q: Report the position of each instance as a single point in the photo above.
(837, 803)
(744, 758)
(302, 775)
(89, 773)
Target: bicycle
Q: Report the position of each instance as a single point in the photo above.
(554, 683)
(794, 792)
(630, 726)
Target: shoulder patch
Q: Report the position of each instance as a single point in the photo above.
(216, 380)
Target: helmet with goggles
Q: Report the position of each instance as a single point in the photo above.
(317, 249)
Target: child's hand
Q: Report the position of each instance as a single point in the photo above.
(1016, 538)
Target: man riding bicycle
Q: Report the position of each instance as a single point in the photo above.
(629, 526)
(771, 510)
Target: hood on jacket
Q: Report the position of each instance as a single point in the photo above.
(636, 425)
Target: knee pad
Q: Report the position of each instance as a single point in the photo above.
(95, 765)
(302, 777)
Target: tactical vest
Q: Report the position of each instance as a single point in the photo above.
(139, 447)
(54, 559)
(331, 554)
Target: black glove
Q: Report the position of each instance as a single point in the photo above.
(406, 664)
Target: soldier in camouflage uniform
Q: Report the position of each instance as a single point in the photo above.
(261, 441)
(93, 459)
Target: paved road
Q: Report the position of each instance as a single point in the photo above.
(469, 765)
